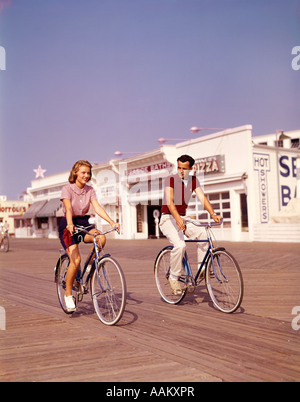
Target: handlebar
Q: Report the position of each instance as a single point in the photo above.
(94, 234)
(207, 225)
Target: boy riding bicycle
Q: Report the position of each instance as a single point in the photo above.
(178, 191)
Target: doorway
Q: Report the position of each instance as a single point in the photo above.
(244, 213)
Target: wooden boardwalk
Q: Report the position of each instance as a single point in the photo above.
(191, 342)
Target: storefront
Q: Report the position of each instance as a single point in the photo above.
(9, 210)
(42, 217)
(251, 185)
(276, 181)
(231, 170)
(224, 164)
(223, 161)
(141, 181)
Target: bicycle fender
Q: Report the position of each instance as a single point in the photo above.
(166, 248)
(58, 264)
(213, 251)
(218, 249)
(104, 256)
(158, 255)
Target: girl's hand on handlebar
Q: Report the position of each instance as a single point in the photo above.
(116, 225)
(70, 228)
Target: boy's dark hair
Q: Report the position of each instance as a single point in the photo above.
(186, 158)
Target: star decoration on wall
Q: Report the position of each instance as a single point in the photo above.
(39, 172)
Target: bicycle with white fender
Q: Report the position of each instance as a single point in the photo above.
(102, 277)
(219, 269)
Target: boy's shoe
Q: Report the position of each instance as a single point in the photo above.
(175, 286)
(70, 305)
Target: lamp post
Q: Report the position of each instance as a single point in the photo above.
(195, 129)
(119, 153)
(164, 140)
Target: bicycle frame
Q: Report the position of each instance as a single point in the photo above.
(97, 258)
(225, 294)
(186, 263)
(209, 252)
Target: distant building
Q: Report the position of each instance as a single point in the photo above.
(280, 139)
(10, 210)
(42, 217)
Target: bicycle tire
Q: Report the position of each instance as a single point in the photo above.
(224, 281)
(161, 274)
(60, 277)
(108, 291)
(5, 244)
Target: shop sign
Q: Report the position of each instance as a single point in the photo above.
(148, 169)
(288, 174)
(262, 166)
(210, 164)
(12, 209)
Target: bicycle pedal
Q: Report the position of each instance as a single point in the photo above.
(191, 288)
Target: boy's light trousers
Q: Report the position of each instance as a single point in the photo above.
(170, 229)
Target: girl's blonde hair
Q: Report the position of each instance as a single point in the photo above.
(76, 167)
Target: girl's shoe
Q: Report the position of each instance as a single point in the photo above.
(70, 305)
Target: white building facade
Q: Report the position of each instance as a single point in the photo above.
(42, 217)
(251, 182)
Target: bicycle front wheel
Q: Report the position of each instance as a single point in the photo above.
(224, 281)
(162, 273)
(108, 291)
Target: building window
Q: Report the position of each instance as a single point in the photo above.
(295, 142)
(42, 223)
(219, 201)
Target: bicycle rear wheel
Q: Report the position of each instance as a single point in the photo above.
(60, 276)
(224, 281)
(162, 273)
(108, 291)
(5, 244)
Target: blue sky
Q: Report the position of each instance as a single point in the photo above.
(85, 78)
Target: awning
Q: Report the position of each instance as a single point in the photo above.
(49, 209)
(34, 209)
